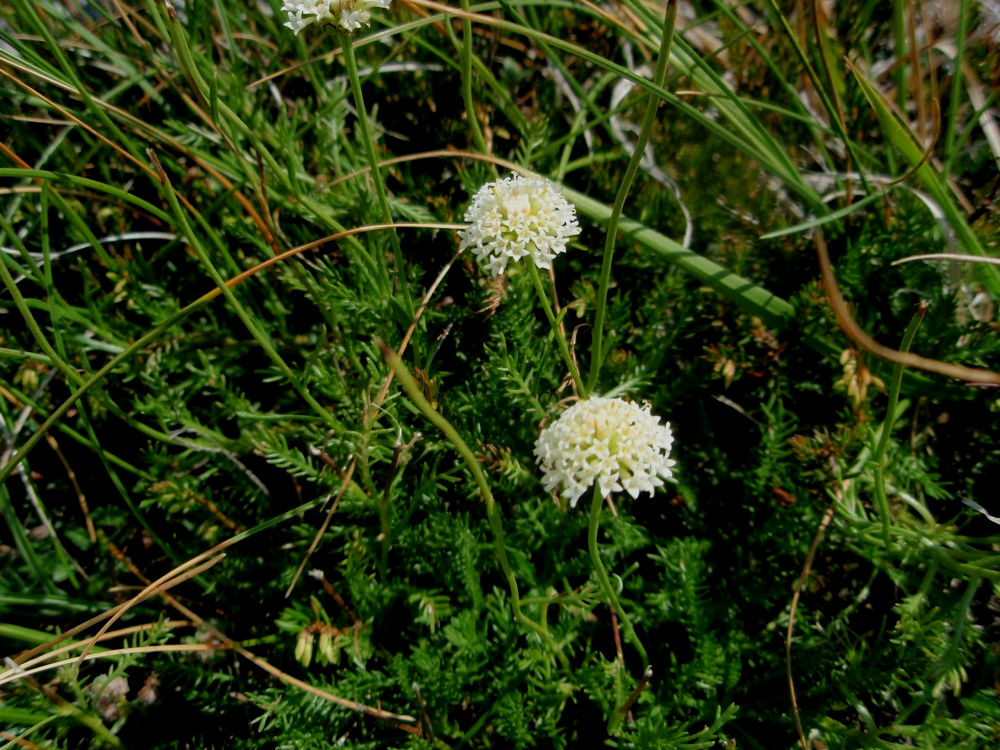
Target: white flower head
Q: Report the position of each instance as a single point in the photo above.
(517, 217)
(350, 14)
(615, 443)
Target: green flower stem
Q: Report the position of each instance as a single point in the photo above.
(878, 457)
(557, 330)
(470, 109)
(597, 347)
(602, 575)
(492, 511)
(366, 138)
(92, 721)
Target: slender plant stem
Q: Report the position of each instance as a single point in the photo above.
(597, 347)
(557, 330)
(602, 574)
(878, 457)
(369, 144)
(29, 320)
(470, 108)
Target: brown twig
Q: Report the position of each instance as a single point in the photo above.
(626, 707)
(120, 633)
(425, 719)
(91, 534)
(178, 575)
(806, 569)
(344, 484)
(852, 330)
(328, 588)
(5, 149)
(616, 634)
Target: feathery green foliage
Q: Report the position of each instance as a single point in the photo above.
(194, 295)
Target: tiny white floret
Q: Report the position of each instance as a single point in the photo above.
(614, 443)
(349, 14)
(517, 217)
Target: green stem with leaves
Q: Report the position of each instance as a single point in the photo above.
(492, 511)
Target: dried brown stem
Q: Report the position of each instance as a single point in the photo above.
(806, 569)
(852, 330)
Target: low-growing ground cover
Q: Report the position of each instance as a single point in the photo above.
(499, 375)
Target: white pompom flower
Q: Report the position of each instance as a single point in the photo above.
(614, 443)
(349, 14)
(517, 217)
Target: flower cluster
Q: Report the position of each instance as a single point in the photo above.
(517, 217)
(615, 443)
(350, 14)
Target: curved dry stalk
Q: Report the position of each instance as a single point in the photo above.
(400, 721)
(20, 672)
(178, 575)
(434, 154)
(6, 151)
(852, 330)
(30, 663)
(375, 713)
(159, 587)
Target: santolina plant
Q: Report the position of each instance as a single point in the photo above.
(609, 444)
(615, 446)
(349, 14)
